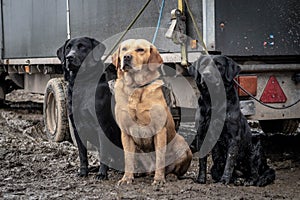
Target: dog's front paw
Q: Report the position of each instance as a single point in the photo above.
(240, 182)
(249, 183)
(201, 180)
(201, 177)
(159, 182)
(83, 172)
(225, 180)
(126, 180)
(102, 174)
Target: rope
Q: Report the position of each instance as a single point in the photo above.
(158, 21)
(127, 29)
(262, 103)
(196, 27)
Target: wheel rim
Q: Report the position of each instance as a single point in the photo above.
(52, 114)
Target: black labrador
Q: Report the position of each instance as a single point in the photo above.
(89, 101)
(237, 156)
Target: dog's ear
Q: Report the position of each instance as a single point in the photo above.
(232, 69)
(98, 49)
(193, 71)
(61, 52)
(155, 60)
(116, 58)
(197, 67)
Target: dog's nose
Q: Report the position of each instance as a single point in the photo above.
(70, 57)
(206, 74)
(127, 58)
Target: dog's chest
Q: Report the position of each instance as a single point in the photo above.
(139, 108)
(144, 144)
(141, 112)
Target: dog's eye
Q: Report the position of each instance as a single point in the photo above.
(80, 46)
(124, 49)
(139, 50)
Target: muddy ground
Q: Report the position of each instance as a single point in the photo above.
(34, 168)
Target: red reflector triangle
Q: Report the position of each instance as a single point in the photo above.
(273, 93)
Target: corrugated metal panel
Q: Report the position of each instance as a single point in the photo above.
(33, 28)
(107, 19)
(258, 27)
(36, 28)
(102, 19)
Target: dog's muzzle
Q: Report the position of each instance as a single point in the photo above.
(127, 62)
(208, 77)
(72, 63)
(70, 66)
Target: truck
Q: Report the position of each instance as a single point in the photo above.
(262, 36)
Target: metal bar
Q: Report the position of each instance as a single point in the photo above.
(184, 58)
(270, 68)
(168, 58)
(32, 61)
(196, 27)
(68, 20)
(2, 31)
(209, 33)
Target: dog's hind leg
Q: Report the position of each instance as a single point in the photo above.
(261, 173)
(160, 142)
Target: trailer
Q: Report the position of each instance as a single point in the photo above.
(262, 36)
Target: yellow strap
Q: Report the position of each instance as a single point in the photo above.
(180, 5)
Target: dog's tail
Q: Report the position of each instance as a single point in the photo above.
(266, 178)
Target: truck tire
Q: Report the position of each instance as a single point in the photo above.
(286, 126)
(2, 89)
(55, 111)
(2, 94)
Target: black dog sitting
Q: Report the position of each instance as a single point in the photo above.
(89, 101)
(235, 154)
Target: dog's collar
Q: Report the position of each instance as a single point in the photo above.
(146, 84)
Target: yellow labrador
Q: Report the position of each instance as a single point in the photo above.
(143, 115)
